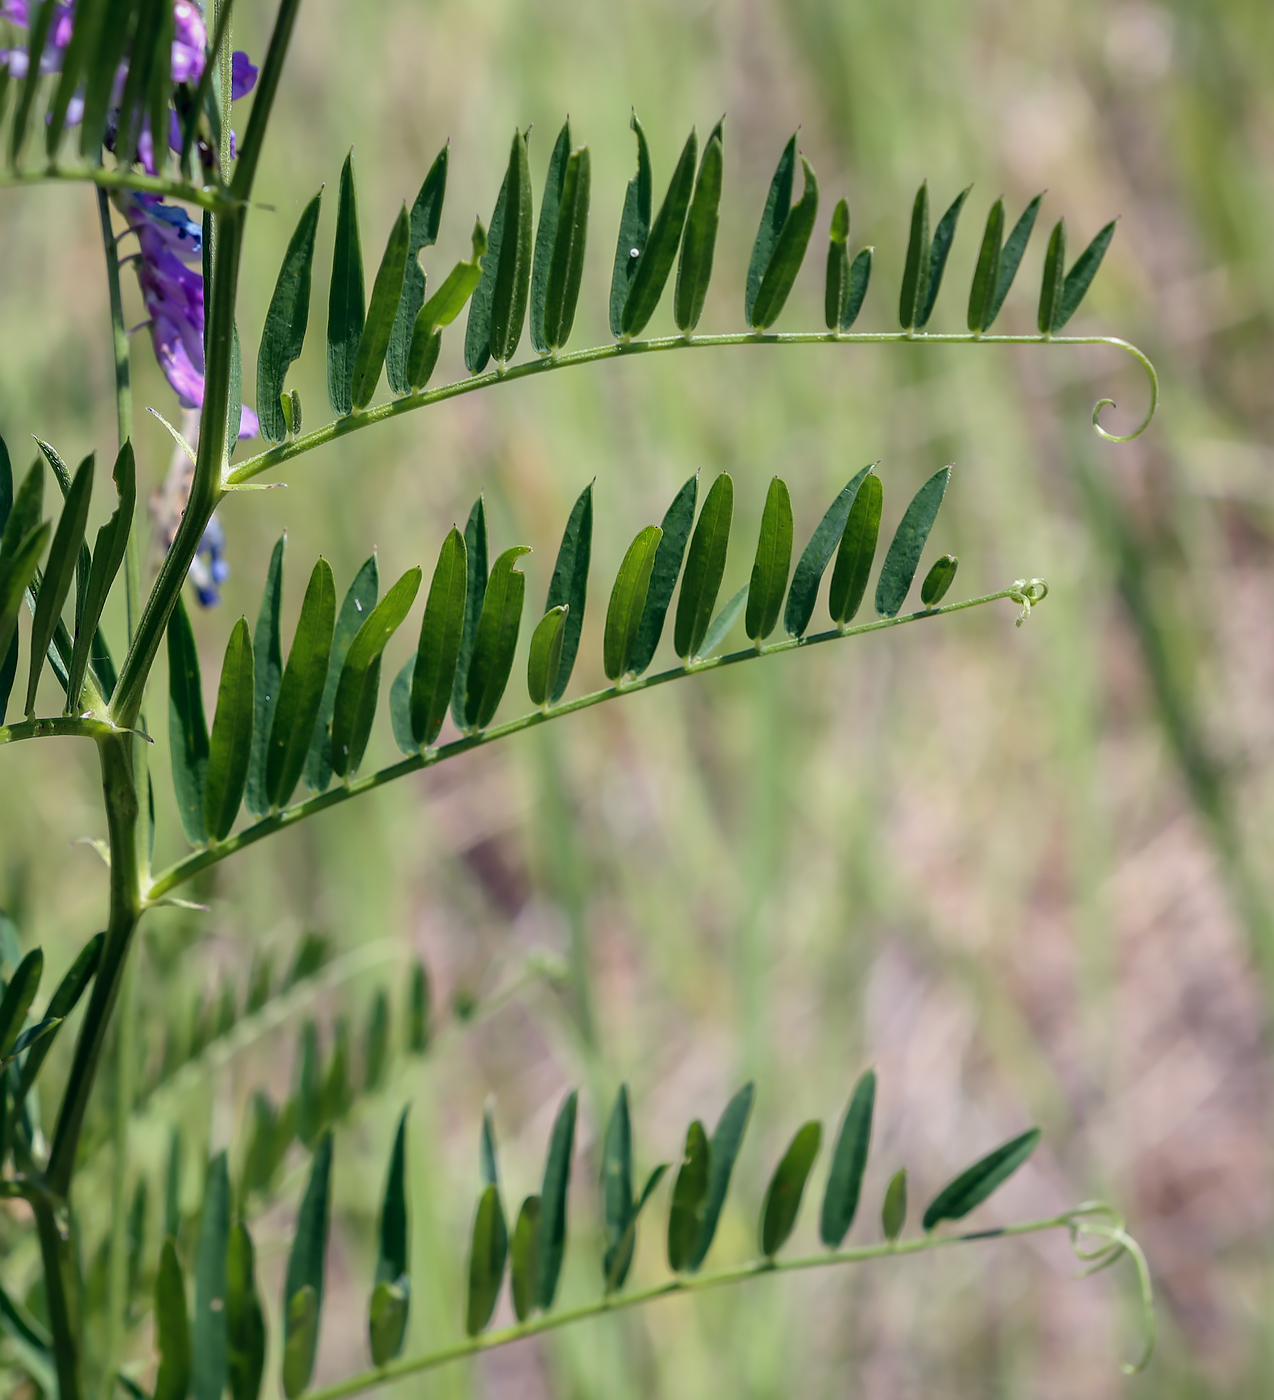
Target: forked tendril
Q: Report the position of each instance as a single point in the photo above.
(1027, 594)
(1095, 1219)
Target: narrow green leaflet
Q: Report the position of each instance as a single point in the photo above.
(552, 1225)
(232, 738)
(778, 205)
(985, 1176)
(356, 607)
(657, 257)
(938, 252)
(418, 1010)
(689, 1195)
(1011, 257)
(82, 559)
(813, 562)
(59, 574)
(309, 1093)
(727, 1138)
(849, 1162)
(627, 602)
(172, 1327)
(17, 568)
(25, 508)
(567, 268)
(938, 580)
(210, 1351)
(376, 1042)
(1053, 280)
(836, 286)
(524, 1265)
(705, 567)
(441, 631)
(286, 320)
(345, 307)
(487, 1257)
(720, 626)
(789, 253)
(617, 1170)
(267, 653)
(545, 659)
(773, 560)
(787, 1186)
(355, 705)
(1080, 277)
(17, 999)
(187, 728)
(857, 552)
(245, 1318)
(546, 235)
(569, 585)
(172, 1186)
(28, 1341)
(986, 273)
(619, 1256)
(400, 706)
(306, 1267)
(496, 639)
(391, 1296)
(499, 303)
(61, 1004)
(301, 689)
(634, 229)
(907, 545)
(426, 216)
(859, 279)
(475, 542)
(382, 311)
(893, 1214)
(676, 525)
(915, 275)
(699, 242)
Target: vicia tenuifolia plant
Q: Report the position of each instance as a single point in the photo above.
(134, 97)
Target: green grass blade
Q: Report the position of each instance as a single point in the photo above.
(210, 1351)
(705, 567)
(689, 1195)
(187, 727)
(233, 740)
(907, 545)
(787, 1186)
(1011, 257)
(345, 307)
(495, 640)
(546, 233)
(772, 563)
(356, 608)
(699, 242)
(789, 254)
(857, 551)
(916, 269)
(627, 603)
(441, 631)
(475, 541)
(286, 320)
(979, 1181)
(893, 1214)
(382, 312)
(567, 268)
(301, 689)
(59, 574)
(552, 1226)
(653, 267)
(545, 658)
(849, 1162)
(487, 1257)
(172, 1327)
(306, 1271)
(245, 1318)
(525, 1259)
(778, 205)
(816, 556)
(569, 584)
(267, 653)
(986, 274)
(727, 1138)
(1080, 277)
(426, 215)
(1053, 280)
(512, 256)
(634, 229)
(939, 250)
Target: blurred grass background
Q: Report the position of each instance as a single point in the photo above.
(1023, 872)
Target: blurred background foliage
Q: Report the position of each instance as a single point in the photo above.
(1022, 872)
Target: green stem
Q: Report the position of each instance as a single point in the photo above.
(117, 1292)
(276, 456)
(183, 870)
(56, 1254)
(209, 197)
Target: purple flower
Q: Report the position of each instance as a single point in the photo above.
(208, 569)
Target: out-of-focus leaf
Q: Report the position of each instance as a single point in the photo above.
(893, 1214)
(617, 1170)
(101, 72)
(545, 659)
(907, 545)
(475, 541)
(300, 1329)
(789, 253)
(915, 276)
(938, 251)
(1053, 280)
(699, 242)
(1080, 277)
(939, 578)
(627, 602)
(112, 540)
(977, 1182)
(705, 567)
(426, 215)
(356, 608)
(303, 1291)
(41, 18)
(849, 1162)
(567, 268)
(557, 1177)
(63, 1001)
(689, 1196)
(172, 1327)
(172, 1186)
(676, 525)
(59, 574)
(787, 1186)
(487, 1258)
(301, 689)
(33, 1035)
(245, 1318)
(391, 1297)
(496, 639)
(773, 560)
(634, 229)
(286, 320)
(376, 1044)
(546, 235)
(267, 664)
(441, 631)
(84, 35)
(382, 311)
(727, 1138)
(210, 1349)
(660, 251)
(232, 741)
(778, 205)
(419, 1026)
(857, 551)
(345, 307)
(813, 562)
(187, 728)
(525, 1259)
(17, 568)
(17, 999)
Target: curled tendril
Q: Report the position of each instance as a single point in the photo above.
(1027, 593)
(1095, 1220)
(1110, 403)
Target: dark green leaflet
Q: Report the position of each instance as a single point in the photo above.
(187, 727)
(345, 299)
(915, 276)
(61, 1004)
(689, 1193)
(836, 289)
(59, 574)
(552, 1226)
(1053, 279)
(387, 291)
(525, 1259)
(475, 540)
(789, 253)
(283, 336)
(773, 560)
(172, 1328)
(545, 658)
(418, 1010)
(985, 1176)
(441, 630)
(306, 1268)
(859, 277)
(727, 1138)
(676, 525)
(699, 242)
(938, 251)
(300, 1330)
(1080, 277)
(356, 608)
(720, 626)
(893, 1214)
(17, 999)
(232, 736)
(627, 602)
(267, 656)
(82, 559)
(309, 1105)
(849, 1162)
(301, 689)
(376, 1042)
(567, 268)
(17, 568)
(24, 509)
(546, 235)
(209, 1340)
(986, 274)
(496, 639)
(356, 691)
(569, 584)
(499, 302)
(704, 568)
(857, 551)
(245, 1319)
(426, 215)
(938, 580)
(387, 1319)
(655, 263)
(778, 205)
(813, 562)
(487, 1257)
(634, 229)
(787, 1186)
(908, 543)
(1011, 257)
(619, 1256)
(33, 1035)
(617, 1170)
(172, 1185)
